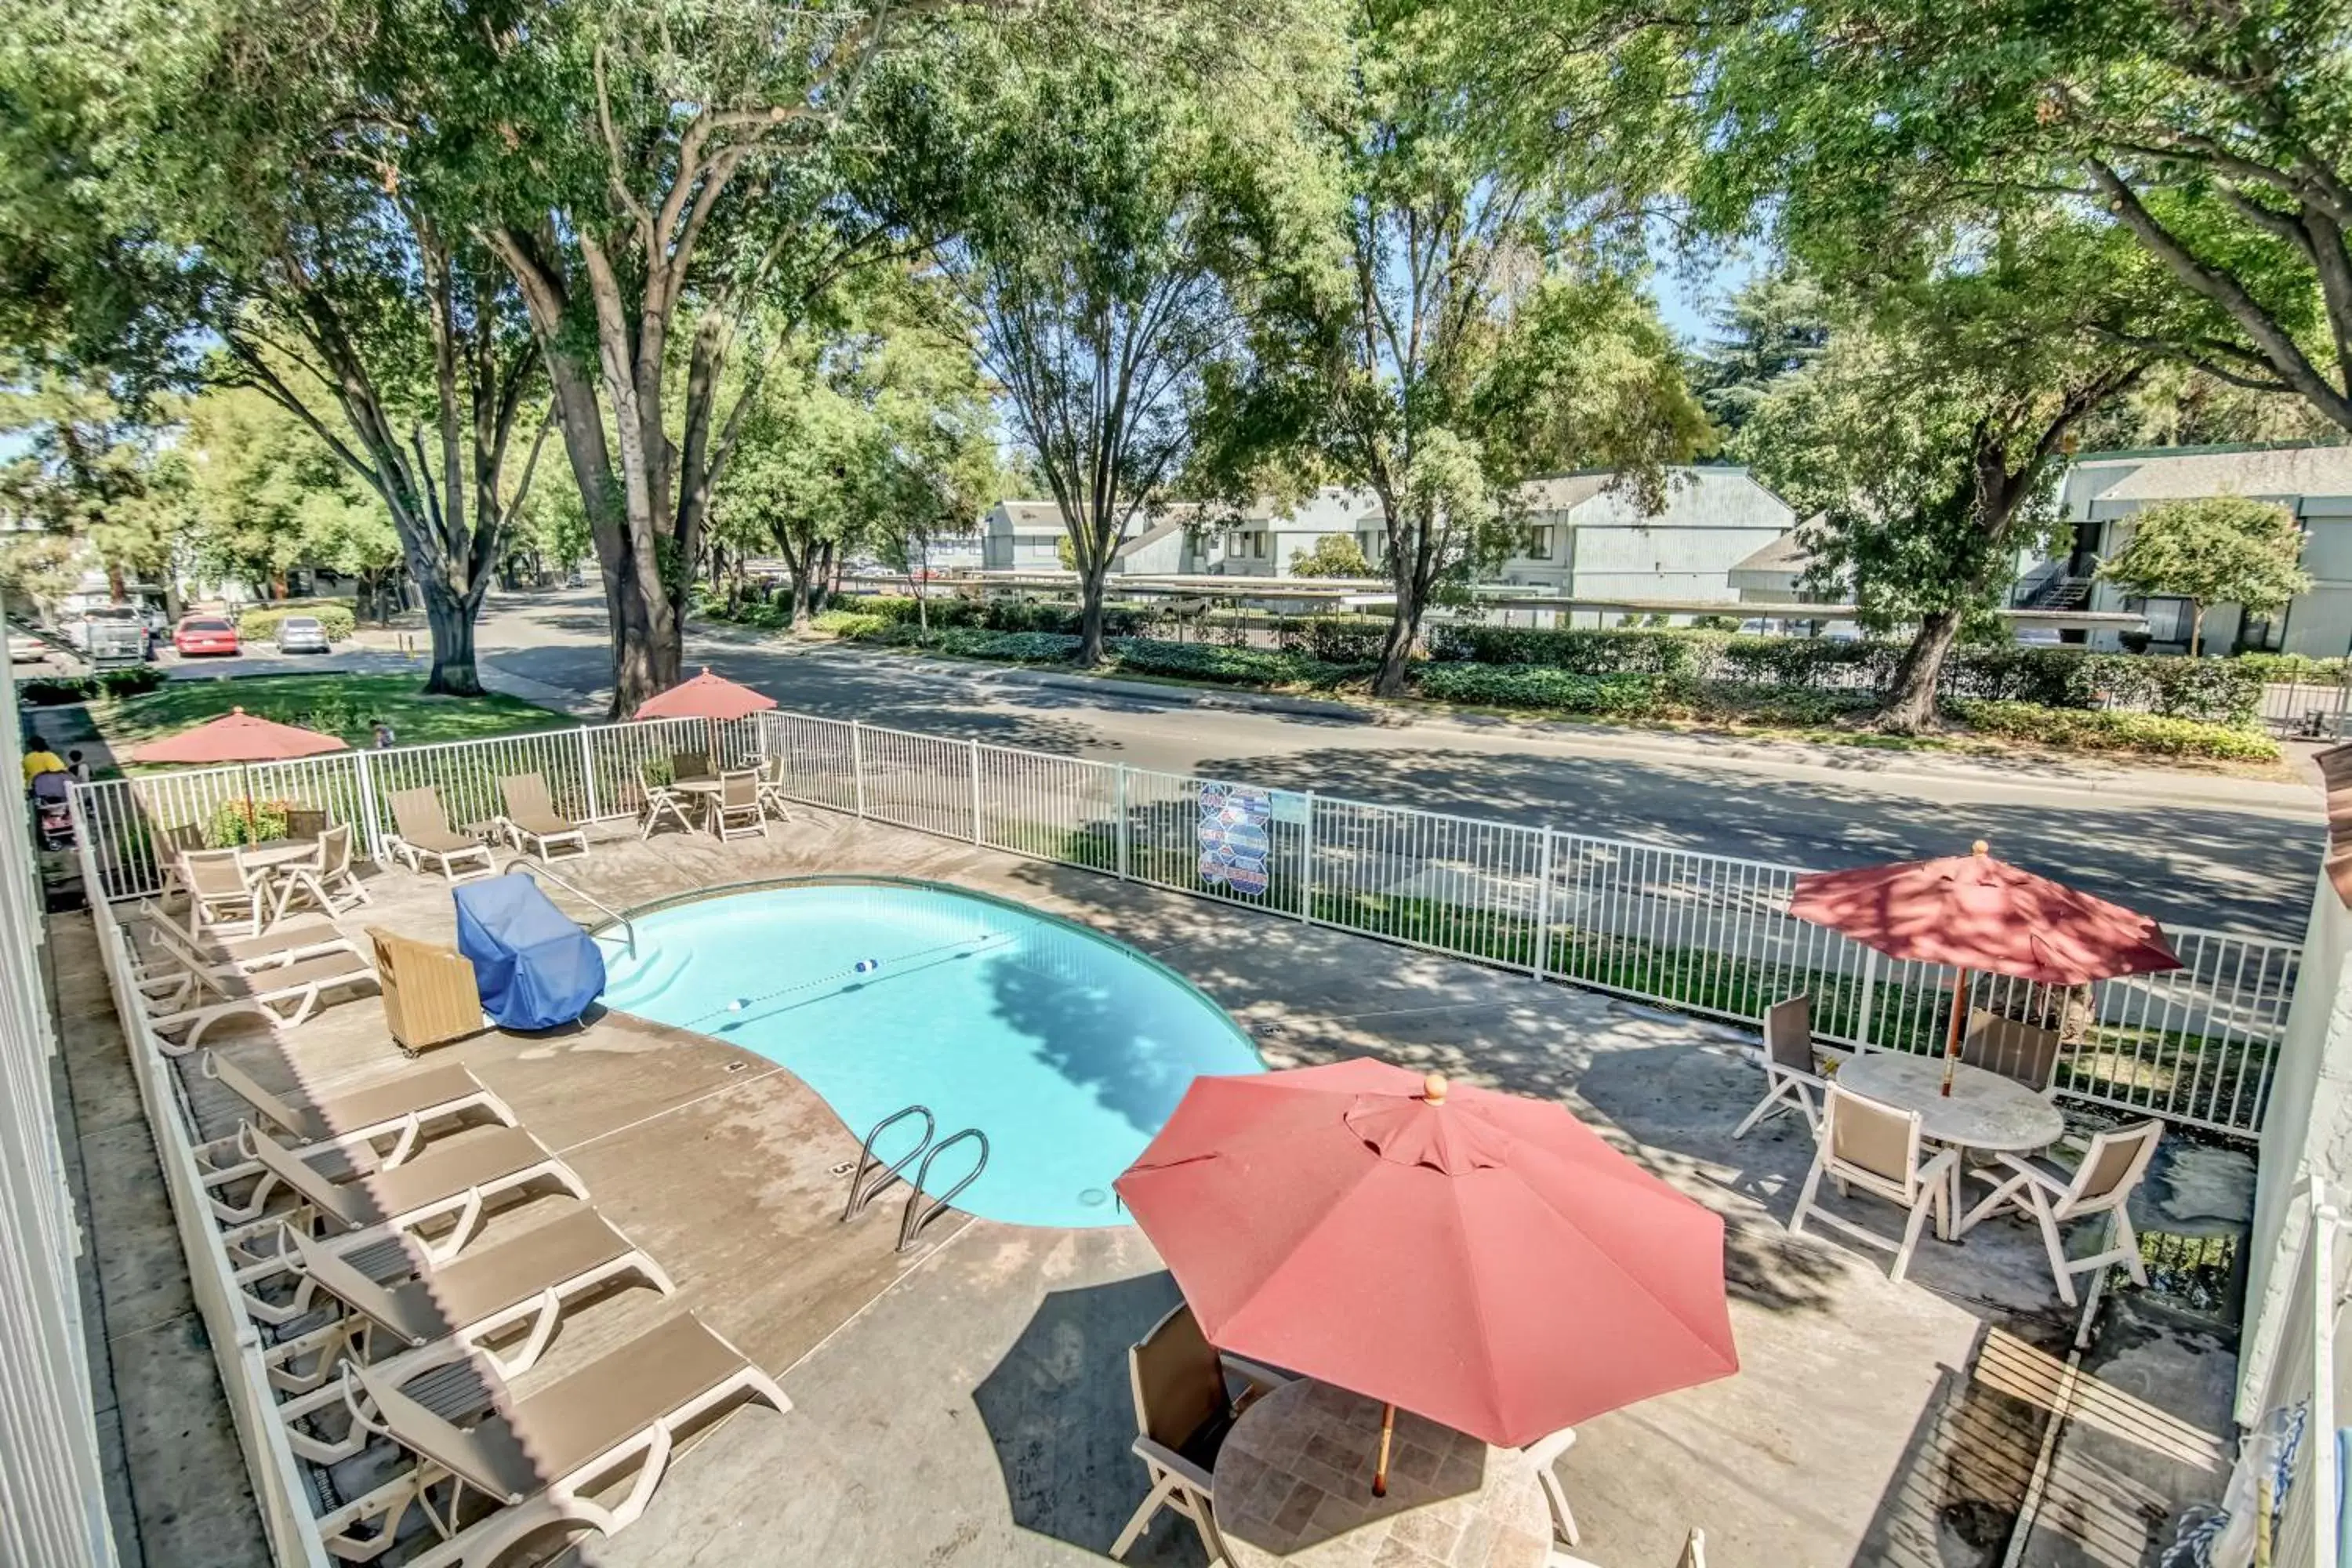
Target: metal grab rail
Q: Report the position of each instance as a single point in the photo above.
(861, 1194)
(911, 1222)
(626, 924)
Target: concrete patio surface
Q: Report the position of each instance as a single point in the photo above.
(967, 1404)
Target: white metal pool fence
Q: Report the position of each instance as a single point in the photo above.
(1707, 933)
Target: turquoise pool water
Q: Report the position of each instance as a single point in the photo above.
(1066, 1050)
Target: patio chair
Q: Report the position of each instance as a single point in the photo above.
(1791, 1081)
(1544, 1453)
(735, 810)
(1875, 1147)
(772, 789)
(1693, 1555)
(424, 834)
(304, 822)
(453, 1181)
(430, 994)
(543, 1457)
(2015, 1050)
(492, 1291)
(661, 800)
(282, 994)
(223, 893)
(531, 821)
(399, 1109)
(2050, 1195)
(1184, 1409)
(326, 878)
(690, 766)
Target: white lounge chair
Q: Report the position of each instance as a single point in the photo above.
(1875, 1147)
(424, 834)
(223, 893)
(1792, 1081)
(531, 823)
(539, 1456)
(283, 994)
(1693, 1555)
(1544, 1454)
(2051, 1195)
(170, 954)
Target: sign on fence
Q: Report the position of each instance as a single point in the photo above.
(1234, 843)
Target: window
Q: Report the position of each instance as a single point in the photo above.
(1535, 541)
(1257, 546)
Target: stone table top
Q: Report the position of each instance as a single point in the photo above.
(1295, 1488)
(1984, 1110)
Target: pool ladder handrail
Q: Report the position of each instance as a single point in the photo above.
(860, 1194)
(911, 1222)
(628, 927)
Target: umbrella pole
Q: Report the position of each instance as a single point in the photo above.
(1387, 1431)
(1952, 1036)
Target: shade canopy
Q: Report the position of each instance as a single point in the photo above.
(237, 736)
(1482, 1259)
(1972, 911)
(707, 696)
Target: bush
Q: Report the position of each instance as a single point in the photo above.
(50, 690)
(1539, 685)
(336, 615)
(1212, 661)
(853, 624)
(133, 682)
(2292, 667)
(1334, 639)
(237, 822)
(2092, 730)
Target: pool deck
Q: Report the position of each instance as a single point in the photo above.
(968, 1404)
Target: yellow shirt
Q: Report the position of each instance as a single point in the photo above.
(42, 761)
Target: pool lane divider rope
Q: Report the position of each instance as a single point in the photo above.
(741, 1006)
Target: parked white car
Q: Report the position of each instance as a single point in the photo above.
(301, 634)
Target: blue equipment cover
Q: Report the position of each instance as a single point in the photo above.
(535, 966)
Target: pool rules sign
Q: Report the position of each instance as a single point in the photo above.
(1235, 844)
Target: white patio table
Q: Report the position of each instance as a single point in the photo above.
(1984, 1110)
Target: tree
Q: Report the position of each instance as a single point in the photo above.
(267, 496)
(1435, 312)
(248, 207)
(1093, 237)
(1926, 434)
(2217, 139)
(2213, 550)
(95, 472)
(1334, 555)
(1774, 327)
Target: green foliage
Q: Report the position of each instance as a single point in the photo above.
(335, 617)
(1537, 686)
(2294, 667)
(1334, 555)
(49, 691)
(851, 625)
(2080, 730)
(1334, 639)
(1776, 326)
(1212, 661)
(346, 705)
(243, 821)
(94, 470)
(265, 496)
(2213, 550)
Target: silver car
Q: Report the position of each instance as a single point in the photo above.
(301, 634)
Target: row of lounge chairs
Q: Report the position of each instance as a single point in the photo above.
(393, 1316)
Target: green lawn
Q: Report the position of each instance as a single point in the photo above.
(344, 705)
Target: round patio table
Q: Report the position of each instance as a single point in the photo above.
(1984, 1110)
(1295, 1488)
(704, 793)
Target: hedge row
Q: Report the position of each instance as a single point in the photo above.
(336, 616)
(50, 690)
(2220, 691)
(1143, 656)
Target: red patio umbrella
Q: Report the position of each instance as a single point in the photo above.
(705, 696)
(237, 736)
(1973, 912)
(1483, 1259)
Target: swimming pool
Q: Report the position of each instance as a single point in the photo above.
(1067, 1049)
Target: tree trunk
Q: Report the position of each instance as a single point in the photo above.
(1091, 585)
(1396, 650)
(451, 618)
(800, 599)
(1910, 705)
(646, 654)
(2196, 625)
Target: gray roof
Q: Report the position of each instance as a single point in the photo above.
(1565, 492)
(1786, 554)
(2274, 471)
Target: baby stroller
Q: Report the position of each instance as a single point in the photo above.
(52, 817)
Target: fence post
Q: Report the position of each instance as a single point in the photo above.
(1543, 907)
(1307, 863)
(974, 745)
(1118, 775)
(375, 830)
(1863, 1027)
(857, 766)
(588, 773)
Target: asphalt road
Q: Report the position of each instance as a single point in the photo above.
(2239, 856)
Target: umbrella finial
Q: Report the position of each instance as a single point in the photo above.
(1981, 848)
(706, 669)
(237, 710)
(1432, 1089)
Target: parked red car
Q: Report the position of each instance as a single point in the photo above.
(204, 635)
